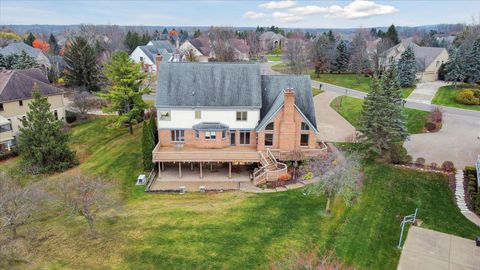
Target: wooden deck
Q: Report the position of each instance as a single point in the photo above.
(192, 154)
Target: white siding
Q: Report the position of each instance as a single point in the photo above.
(185, 119)
(137, 53)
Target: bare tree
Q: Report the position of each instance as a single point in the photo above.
(221, 45)
(254, 44)
(87, 197)
(18, 205)
(190, 56)
(341, 179)
(295, 56)
(83, 102)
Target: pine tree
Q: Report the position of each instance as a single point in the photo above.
(153, 127)
(392, 35)
(29, 39)
(52, 41)
(42, 142)
(82, 68)
(342, 59)
(473, 63)
(18, 61)
(382, 119)
(455, 66)
(407, 68)
(126, 87)
(148, 144)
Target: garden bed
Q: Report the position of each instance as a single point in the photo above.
(447, 95)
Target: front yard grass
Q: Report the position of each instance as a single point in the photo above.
(232, 230)
(446, 96)
(351, 109)
(274, 57)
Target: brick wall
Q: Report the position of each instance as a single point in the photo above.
(201, 142)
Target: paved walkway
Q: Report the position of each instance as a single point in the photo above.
(460, 199)
(331, 125)
(430, 250)
(424, 92)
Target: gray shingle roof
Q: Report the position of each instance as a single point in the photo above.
(164, 44)
(18, 84)
(18, 47)
(273, 87)
(209, 85)
(150, 51)
(210, 126)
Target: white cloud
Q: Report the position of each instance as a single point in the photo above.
(287, 17)
(354, 10)
(254, 15)
(278, 4)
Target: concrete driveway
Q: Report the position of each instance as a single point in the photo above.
(332, 126)
(430, 250)
(457, 141)
(424, 92)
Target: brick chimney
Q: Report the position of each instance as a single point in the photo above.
(158, 62)
(287, 126)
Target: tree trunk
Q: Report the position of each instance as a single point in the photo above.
(327, 208)
(14, 232)
(91, 225)
(130, 127)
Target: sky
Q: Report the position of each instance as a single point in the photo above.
(286, 13)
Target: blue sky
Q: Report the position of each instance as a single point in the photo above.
(287, 13)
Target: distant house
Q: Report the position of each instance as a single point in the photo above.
(270, 40)
(429, 59)
(18, 47)
(146, 54)
(15, 94)
(241, 49)
(200, 47)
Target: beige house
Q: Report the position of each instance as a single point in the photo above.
(15, 95)
(429, 59)
(200, 47)
(270, 40)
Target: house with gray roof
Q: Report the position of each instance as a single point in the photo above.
(146, 54)
(270, 40)
(16, 92)
(229, 114)
(19, 47)
(428, 59)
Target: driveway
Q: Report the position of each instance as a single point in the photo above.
(332, 126)
(457, 141)
(424, 92)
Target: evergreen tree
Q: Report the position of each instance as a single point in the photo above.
(392, 35)
(382, 119)
(52, 41)
(29, 39)
(473, 63)
(156, 35)
(42, 142)
(165, 31)
(148, 144)
(126, 87)
(82, 68)
(342, 58)
(133, 40)
(145, 39)
(197, 33)
(18, 61)
(153, 127)
(455, 66)
(407, 68)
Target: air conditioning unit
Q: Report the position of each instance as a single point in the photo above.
(202, 189)
(183, 189)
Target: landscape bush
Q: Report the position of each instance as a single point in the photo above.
(448, 166)
(430, 126)
(308, 176)
(70, 117)
(468, 97)
(420, 162)
(284, 177)
(433, 165)
(398, 154)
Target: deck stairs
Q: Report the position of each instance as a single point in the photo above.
(270, 169)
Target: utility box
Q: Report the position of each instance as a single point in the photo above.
(141, 180)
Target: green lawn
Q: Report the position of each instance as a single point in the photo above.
(316, 91)
(352, 81)
(232, 230)
(274, 57)
(351, 109)
(446, 96)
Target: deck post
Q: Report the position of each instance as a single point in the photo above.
(191, 166)
(179, 169)
(159, 169)
(230, 170)
(211, 168)
(201, 173)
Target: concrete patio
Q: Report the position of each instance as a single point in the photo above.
(431, 250)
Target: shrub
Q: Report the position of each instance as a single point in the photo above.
(284, 177)
(467, 97)
(436, 115)
(9, 154)
(408, 159)
(398, 154)
(470, 170)
(70, 117)
(420, 162)
(433, 166)
(430, 126)
(448, 166)
(477, 204)
(308, 176)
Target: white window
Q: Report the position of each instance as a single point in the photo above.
(210, 135)
(164, 116)
(241, 116)
(304, 126)
(198, 114)
(244, 137)
(178, 135)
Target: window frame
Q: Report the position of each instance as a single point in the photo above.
(242, 116)
(304, 126)
(197, 134)
(210, 135)
(270, 141)
(1, 107)
(55, 114)
(305, 144)
(20, 103)
(198, 114)
(168, 116)
(177, 135)
(245, 135)
(270, 129)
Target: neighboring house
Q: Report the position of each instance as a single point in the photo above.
(18, 47)
(146, 54)
(229, 114)
(241, 49)
(15, 95)
(429, 59)
(199, 46)
(270, 40)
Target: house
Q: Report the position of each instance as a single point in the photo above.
(270, 40)
(428, 59)
(228, 114)
(18, 47)
(146, 54)
(15, 95)
(200, 47)
(240, 48)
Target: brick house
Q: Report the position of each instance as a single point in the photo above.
(228, 114)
